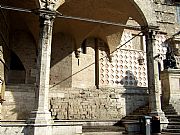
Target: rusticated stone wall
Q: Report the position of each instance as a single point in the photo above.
(96, 104)
(75, 104)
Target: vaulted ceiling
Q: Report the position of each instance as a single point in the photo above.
(118, 11)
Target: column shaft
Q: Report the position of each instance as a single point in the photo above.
(153, 79)
(153, 73)
(43, 62)
(41, 114)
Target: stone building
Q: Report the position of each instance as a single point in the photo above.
(66, 63)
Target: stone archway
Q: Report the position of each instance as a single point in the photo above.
(110, 11)
(147, 11)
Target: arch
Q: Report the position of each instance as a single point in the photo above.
(146, 9)
(118, 11)
(17, 72)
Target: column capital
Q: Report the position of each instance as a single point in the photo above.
(47, 15)
(51, 5)
(150, 30)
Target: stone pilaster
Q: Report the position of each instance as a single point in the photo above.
(153, 77)
(41, 118)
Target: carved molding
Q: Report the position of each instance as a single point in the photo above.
(51, 5)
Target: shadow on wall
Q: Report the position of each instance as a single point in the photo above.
(19, 94)
(61, 59)
(64, 55)
(130, 83)
(134, 95)
(17, 73)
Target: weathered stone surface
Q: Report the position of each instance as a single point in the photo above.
(171, 87)
(100, 106)
(73, 81)
(19, 102)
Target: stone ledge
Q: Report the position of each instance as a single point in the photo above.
(90, 122)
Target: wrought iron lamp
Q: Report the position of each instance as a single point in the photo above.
(141, 60)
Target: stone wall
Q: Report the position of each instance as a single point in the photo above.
(24, 47)
(74, 103)
(96, 104)
(61, 60)
(83, 68)
(19, 102)
(171, 88)
(166, 15)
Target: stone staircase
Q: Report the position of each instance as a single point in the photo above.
(174, 120)
(103, 130)
(131, 121)
(173, 127)
(139, 112)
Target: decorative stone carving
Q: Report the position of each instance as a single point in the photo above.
(176, 47)
(170, 61)
(51, 5)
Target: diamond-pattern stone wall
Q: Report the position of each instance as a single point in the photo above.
(123, 69)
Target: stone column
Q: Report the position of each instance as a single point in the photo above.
(153, 77)
(41, 118)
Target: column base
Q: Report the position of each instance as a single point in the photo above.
(36, 129)
(40, 123)
(40, 117)
(163, 120)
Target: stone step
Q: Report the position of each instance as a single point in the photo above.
(173, 127)
(173, 123)
(20, 87)
(103, 133)
(173, 120)
(170, 110)
(173, 116)
(171, 130)
(171, 113)
(103, 129)
(132, 117)
(167, 133)
(111, 133)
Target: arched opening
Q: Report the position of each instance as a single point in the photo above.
(17, 72)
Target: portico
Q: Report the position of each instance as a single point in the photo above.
(118, 12)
